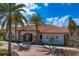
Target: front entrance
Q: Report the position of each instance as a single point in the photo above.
(27, 37)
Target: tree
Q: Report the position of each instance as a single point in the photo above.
(72, 31)
(19, 21)
(7, 10)
(36, 19)
(71, 26)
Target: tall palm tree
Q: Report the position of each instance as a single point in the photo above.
(7, 11)
(36, 19)
(19, 21)
(71, 25)
(72, 30)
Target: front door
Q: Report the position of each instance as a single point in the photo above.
(28, 37)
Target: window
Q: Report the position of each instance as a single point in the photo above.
(57, 38)
(47, 36)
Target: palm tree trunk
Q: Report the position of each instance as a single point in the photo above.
(15, 30)
(9, 36)
(36, 41)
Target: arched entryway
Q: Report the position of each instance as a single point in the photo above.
(28, 37)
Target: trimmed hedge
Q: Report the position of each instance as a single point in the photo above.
(53, 44)
(3, 52)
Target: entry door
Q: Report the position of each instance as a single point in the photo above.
(41, 38)
(28, 37)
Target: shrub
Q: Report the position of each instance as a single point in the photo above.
(3, 52)
(53, 44)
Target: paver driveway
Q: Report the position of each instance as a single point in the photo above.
(34, 50)
(38, 50)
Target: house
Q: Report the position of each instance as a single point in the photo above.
(47, 32)
(51, 33)
(1, 32)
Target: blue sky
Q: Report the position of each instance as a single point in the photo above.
(58, 9)
(55, 13)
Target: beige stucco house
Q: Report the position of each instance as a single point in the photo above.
(47, 32)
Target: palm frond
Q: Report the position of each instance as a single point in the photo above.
(4, 7)
(4, 24)
(18, 7)
(23, 17)
(36, 19)
(20, 22)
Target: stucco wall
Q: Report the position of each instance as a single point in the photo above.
(24, 32)
(60, 39)
(33, 32)
(45, 37)
(13, 35)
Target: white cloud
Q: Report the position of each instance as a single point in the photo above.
(59, 21)
(30, 7)
(51, 19)
(76, 20)
(29, 12)
(46, 4)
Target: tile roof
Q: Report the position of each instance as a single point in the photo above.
(44, 28)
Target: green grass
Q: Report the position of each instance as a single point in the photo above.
(3, 52)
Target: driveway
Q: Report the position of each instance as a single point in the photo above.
(34, 50)
(38, 50)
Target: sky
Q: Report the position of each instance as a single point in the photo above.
(54, 13)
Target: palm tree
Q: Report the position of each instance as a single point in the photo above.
(71, 25)
(19, 21)
(72, 30)
(36, 19)
(7, 10)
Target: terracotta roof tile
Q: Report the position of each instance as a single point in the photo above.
(45, 28)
